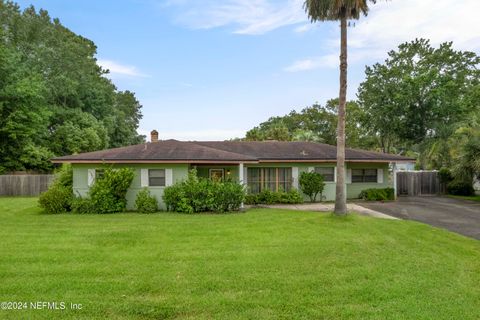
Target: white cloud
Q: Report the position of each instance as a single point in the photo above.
(327, 61)
(245, 16)
(393, 22)
(304, 28)
(117, 69)
(199, 135)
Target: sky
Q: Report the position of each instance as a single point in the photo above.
(211, 70)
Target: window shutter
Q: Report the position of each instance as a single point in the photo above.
(379, 175)
(349, 176)
(334, 174)
(295, 177)
(144, 178)
(168, 177)
(90, 177)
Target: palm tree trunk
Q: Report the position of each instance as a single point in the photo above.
(340, 196)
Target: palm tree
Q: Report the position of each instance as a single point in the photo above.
(343, 10)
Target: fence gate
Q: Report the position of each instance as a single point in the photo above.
(418, 183)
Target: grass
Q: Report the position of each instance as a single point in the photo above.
(262, 264)
(471, 198)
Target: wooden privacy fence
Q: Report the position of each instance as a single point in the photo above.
(24, 185)
(418, 183)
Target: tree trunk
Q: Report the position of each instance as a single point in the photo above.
(341, 196)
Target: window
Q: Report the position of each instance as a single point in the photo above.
(156, 177)
(328, 173)
(274, 179)
(216, 174)
(364, 175)
(99, 173)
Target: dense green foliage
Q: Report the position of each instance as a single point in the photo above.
(377, 194)
(54, 98)
(263, 264)
(145, 202)
(203, 195)
(108, 194)
(59, 196)
(271, 197)
(419, 97)
(460, 188)
(445, 176)
(421, 102)
(311, 184)
(57, 199)
(82, 205)
(316, 123)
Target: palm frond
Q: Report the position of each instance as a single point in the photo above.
(329, 10)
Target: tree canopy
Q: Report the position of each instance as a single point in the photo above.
(422, 101)
(54, 97)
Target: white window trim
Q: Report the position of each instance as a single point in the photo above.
(148, 178)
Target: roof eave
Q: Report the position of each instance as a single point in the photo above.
(131, 161)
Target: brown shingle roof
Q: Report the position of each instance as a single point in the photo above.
(227, 151)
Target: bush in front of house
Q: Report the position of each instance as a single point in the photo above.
(203, 195)
(375, 194)
(272, 197)
(311, 184)
(58, 198)
(460, 188)
(108, 194)
(145, 202)
(227, 196)
(82, 205)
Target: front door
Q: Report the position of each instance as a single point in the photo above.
(216, 174)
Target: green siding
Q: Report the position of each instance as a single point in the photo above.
(354, 189)
(80, 179)
(180, 172)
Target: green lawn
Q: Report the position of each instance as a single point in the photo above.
(472, 198)
(262, 264)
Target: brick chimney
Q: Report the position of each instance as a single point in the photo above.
(154, 136)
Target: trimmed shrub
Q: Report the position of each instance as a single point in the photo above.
(203, 195)
(108, 194)
(82, 205)
(145, 202)
(311, 184)
(292, 197)
(175, 199)
(271, 197)
(227, 196)
(460, 188)
(57, 199)
(378, 194)
(268, 197)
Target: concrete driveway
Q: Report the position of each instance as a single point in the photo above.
(456, 215)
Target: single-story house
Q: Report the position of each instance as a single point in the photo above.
(274, 165)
